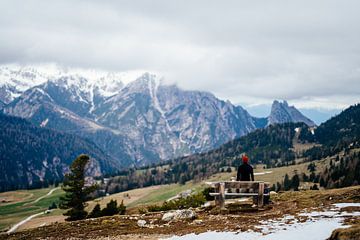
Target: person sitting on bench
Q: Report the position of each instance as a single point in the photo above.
(245, 170)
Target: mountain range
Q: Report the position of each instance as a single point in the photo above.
(275, 146)
(133, 118)
(138, 123)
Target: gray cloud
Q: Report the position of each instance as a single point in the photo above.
(250, 52)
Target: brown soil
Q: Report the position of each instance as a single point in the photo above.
(125, 227)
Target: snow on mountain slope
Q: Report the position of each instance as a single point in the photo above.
(142, 122)
(16, 79)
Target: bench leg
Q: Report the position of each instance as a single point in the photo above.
(217, 197)
(222, 195)
(261, 195)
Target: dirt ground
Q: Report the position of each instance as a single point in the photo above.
(240, 219)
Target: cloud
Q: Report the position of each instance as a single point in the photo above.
(250, 52)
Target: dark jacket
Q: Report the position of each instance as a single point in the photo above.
(245, 171)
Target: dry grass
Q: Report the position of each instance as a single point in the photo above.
(125, 227)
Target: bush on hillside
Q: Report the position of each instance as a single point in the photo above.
(206, 192)
(96, 212)
(52, 206)
(193, 201)
(111, 209)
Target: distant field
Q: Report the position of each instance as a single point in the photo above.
(17, 205)
(22, 203)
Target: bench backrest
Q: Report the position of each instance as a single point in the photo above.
(258, 188)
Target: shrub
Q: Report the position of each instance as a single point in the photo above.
(52, 206)
(195, 200)
(206, 192)
(96, 212)
(122, 208)
(110, 209)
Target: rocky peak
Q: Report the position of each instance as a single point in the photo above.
(281, 112)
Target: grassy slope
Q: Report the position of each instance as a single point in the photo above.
(22, 205)
(14, 212)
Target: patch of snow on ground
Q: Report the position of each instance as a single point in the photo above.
(319, 225)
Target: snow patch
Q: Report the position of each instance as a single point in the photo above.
(319, 225)
(153, 87)
(44, 123)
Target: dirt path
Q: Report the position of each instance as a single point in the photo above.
(46, 195)
(16, 226)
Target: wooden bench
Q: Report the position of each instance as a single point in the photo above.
(242, 188)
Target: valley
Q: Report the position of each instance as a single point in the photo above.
(179, 120)
(18, 202)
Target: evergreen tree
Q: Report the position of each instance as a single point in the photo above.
(311, 167)
(96, 212)
(315, 187)
(122, 208)
(287, 183)
(52, 206)
(295, 182)
(75, 191)
(110, 209)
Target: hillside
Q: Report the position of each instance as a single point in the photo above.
(33, 157)
(16, 202)
(339, 137)
(271, 146)
(276, 145)
(289, 211)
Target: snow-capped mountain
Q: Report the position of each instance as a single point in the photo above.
(137, 123)
(281, 112)
(15, 79)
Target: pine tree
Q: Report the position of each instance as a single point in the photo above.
(110, 209)
(295, 182)
(287, 183)
(52, 206)
(75, 191)
(96, 212)
(122, 208)
(314, 187)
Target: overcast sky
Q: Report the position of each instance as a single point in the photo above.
(249, 52)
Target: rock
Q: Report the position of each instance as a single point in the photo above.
(141, 223)
(179, 214)
(183, 194)
(198, 222)
(167, 217)
(207, 204)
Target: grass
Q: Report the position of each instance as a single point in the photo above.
(23, 205)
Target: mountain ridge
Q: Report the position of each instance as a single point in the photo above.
(145, 119)
(33, 156)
